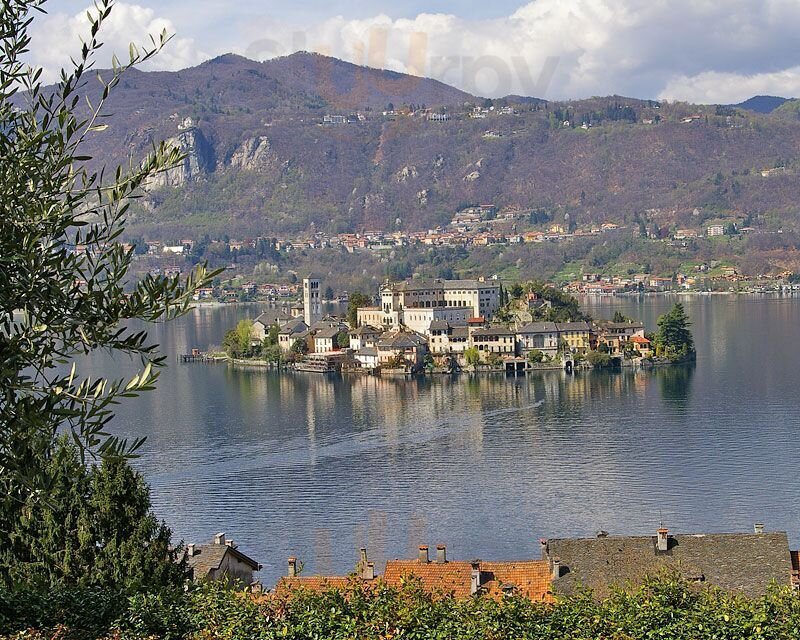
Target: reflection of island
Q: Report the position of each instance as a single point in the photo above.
(676, 384)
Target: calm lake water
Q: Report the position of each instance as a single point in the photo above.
(297, 464)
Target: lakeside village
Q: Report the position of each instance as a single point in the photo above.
(471, 226)
(738, 563)
(447, 326)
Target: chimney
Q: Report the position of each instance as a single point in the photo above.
(758, 527)
(423, 554)
(292, 568)
(368, 572)
(190, 550)
(662, 543)
(219, 538)
(556, 568)
(230, 544)
(475, 578)
(543, 547)
(441, 554)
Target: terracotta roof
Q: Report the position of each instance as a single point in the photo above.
(639, 340)
(312, 583)
(436, 577)
(529, 579)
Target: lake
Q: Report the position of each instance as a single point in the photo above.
(298, 464)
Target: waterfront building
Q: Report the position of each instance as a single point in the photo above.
(539, 336)
(497, 341)
(575, 335)
(364, 336)
(407, 345)
(455, 300)
(262, 323)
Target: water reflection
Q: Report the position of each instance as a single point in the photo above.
(298, 464)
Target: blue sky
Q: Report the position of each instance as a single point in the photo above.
(695, 50)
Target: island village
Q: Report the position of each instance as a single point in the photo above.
(442, 326)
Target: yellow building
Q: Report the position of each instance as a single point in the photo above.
(576, 335)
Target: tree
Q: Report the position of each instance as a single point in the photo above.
(472, 356)
(300, 347)
(517, 291)
(598, 359)
(354, 302)
(621, 317)
(674, 338)
(237, 342)
(343, 339)
(95, 529)
(64, 288)
(535, 356)
(329, 293)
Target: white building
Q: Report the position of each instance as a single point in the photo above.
(409, 303)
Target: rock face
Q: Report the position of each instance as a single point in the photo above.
(198, 158)
(254, 154)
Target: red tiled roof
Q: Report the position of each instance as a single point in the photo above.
(530, 579)
(640, 340)
(312, 583)
(436, 577)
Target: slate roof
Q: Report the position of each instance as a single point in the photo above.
(366, 330)
(439, 325)
(208, 557)
(493, 331)
(573, 326)
(402, 340)
(539, 327)
(274, 316)
(421, 284)
(330, 332)
(460, 332)
(744, 563)
(367, 352)
(292, 327)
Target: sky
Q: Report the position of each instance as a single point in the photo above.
(704, 51)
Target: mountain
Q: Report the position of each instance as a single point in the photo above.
(307, 142)
(762, 104)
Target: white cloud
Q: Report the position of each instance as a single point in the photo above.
(646, 48)
(57, 37)
(731, 88)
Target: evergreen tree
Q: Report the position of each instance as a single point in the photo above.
(94, 529)
(674, 338)
(354, 302)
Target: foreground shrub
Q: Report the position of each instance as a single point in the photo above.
(665, 607)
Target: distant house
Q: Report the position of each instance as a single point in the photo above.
(220, 560)
(735, 562)
(407, 345)
(290, 332)
(716, 230)
(364, 336)
(494, 340)
(262, 323)
(443, 577)
(576, 335)
(541, 336)
(326, 340)
(642, 345)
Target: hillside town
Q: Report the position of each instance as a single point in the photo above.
(445, 326)
(472, 227)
